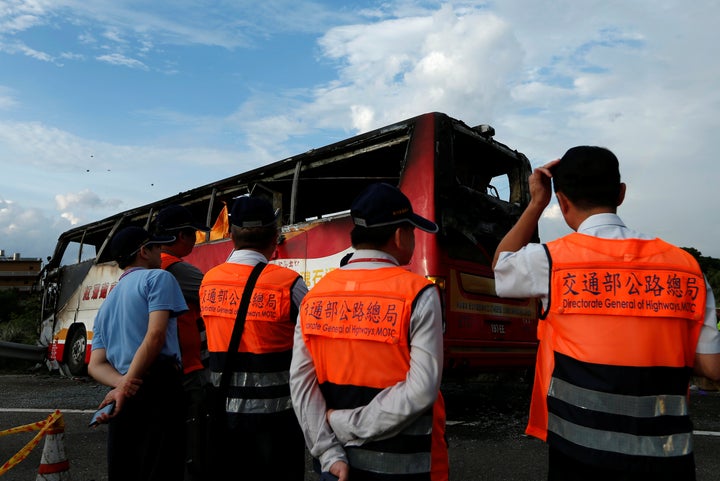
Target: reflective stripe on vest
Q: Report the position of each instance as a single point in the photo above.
(258, 406)
(256, 381)
(616, 349)
(388, 463)
(635, 406)
(678, 444)
(394, 463)
(656, 446)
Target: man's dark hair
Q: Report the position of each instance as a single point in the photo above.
(259, 238)
(373, 236)
(123, 262)
(588, 176)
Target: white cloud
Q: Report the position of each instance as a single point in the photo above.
(20, 15)
(444, 61)
(72, 56)
(84, 198)
(27, 231)
(83, 202)
(74, 220)
(19, 47)
(122, 60)
(114, 34)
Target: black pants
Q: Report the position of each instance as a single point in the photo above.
(195, 387)
(260, 446)
(146, 439)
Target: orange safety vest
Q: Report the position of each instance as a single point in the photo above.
(616, 352)
(356, 325)
(260, 383)
(191, 329)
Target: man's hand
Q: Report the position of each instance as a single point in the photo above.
(341, 470)
(541, 186)
(128, 386)
(540, 194)
(125, 389)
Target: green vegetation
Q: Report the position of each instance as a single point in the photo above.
(19, 322)
(711, 268)
(19, 316)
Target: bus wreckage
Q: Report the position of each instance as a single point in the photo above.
(471, 185)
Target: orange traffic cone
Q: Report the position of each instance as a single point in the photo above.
(54, 465)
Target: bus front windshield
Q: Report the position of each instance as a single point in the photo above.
(483, 195)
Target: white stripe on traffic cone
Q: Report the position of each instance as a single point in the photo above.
(54, 465)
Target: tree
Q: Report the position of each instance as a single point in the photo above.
(19, 316)
(711, 268)
(9, 300)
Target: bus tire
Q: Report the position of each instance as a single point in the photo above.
(75, 349)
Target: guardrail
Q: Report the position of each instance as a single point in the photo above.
(27, 352)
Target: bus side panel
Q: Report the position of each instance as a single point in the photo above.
(82, 307)
(316, 248)
(206, 256)
(292, 251)
(311, 249)
(418, 184)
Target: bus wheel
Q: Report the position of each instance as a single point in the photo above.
(75, 355)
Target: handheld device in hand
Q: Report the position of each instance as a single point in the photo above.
(107, 409)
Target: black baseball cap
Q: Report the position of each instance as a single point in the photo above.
(129, 240)
(252, 212)
(383, 204)
(176, 217)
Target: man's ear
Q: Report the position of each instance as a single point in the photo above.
(562, 202)
(397, 237)
(144, 252)
(621, 196)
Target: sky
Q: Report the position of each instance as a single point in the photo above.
(106, 105)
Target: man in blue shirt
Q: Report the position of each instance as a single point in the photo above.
(135, 351)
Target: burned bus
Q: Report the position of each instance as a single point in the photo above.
(471, 185)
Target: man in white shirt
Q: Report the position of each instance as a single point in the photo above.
(608, 344)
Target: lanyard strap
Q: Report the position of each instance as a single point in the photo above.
(239, 325)
(132, 269)
(371, 259)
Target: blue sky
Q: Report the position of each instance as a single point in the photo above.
(110, 104)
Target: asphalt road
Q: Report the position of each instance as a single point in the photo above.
(486, 419)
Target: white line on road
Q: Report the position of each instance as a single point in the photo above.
(48, 410)
(706, 433)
